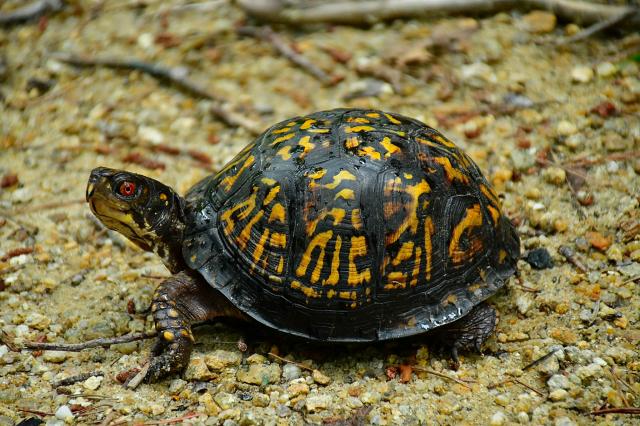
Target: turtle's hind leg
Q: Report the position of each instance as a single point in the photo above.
(470, 331)
(179, 302)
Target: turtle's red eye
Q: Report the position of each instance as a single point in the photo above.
(127, 188)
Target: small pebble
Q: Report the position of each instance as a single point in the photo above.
(291, 372)
(558, 395)
(582, 74)
(539, 258)
(221, 359)
(260, 374)
(555, 175)
(317, 402)
(566, 128)
(606, 69)
(93, 382)
(498, 419)
(558, 381)
(225, 400)
(320, 378)
(539, 22)
(54, 356)
(64, 413)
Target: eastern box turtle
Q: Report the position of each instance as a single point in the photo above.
(346, 225)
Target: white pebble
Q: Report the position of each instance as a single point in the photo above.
(150, 134)
(566, 128)
(606, 69)
(558, 395)
(582, 74)
(498, 419)
(93, 382)
(64, 413)
(145, 40)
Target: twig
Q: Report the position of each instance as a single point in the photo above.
(371, 11)
(570, 255)
(16, 252)
(175, 76)
(47, 206)
(618, 156)
(285, 49)
(540, 360)
(138, 378)
(36, 412)
(169, 421)
(6, 339)
(96, 343)
(597, 27)
(288, 361)
(77, 378)
(30, 12)
(632, 279)
(621, 410)
(444, 376)
(518, 381)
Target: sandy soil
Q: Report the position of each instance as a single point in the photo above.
(555, 128)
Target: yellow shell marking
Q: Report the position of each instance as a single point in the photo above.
(391, 118)
(282, 138)
(491, 195)
(502, 254)
(271, 195)
(404, 253)
(228, 181)
(278, 240)
(307, 124)
(318, 130)
(308, 146)
(411, 221)
(451, 172)
(168, 336)
(372, 115)
(283, 130)
(277, 213)
(334, 275)
(284, 152)
(331, 293)
(268, 181)
(257, 253)
(337, 179)
(246, 206)
(472, 219)
(390, 147)
(358, 248)
(357, 129)
(356, 219)
(346, 193)
(399, 133)
(318, 174)
(280, 265)
(416, 266)
(360, 120)
(320, 240)
(444, 141)
(308, 291)
(337, 213)
(495, 214)
(163, 196)
(369, 151)
(352, 142)
(243, 238)
(428, 232)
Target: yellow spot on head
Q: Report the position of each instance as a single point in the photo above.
(168, 336)
(173, 313)
(163, 196)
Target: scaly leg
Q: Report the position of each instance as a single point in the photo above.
(180, 301)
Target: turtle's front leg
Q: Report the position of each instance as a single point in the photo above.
(180, 301)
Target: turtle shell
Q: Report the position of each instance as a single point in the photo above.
(350, 225)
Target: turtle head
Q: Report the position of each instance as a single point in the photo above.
(147, 212)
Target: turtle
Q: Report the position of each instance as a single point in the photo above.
(341, 226)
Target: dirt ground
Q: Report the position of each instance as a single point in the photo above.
(555, 128)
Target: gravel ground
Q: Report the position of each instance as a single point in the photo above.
(555, 128)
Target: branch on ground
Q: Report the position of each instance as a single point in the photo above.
(30, 12)
(371, 11)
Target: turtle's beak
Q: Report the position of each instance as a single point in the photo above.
(97, 175)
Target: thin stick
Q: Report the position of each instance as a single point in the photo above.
(96, 343)
(6, 339)
(284, 48)
(30, 12)
(444, 376)
(175, 76)
(570, 255)
(36, 412)
(619, 156)
(288, 361)
(48, 206)
(540, 360)
(520, 382)
(597, 27)
(138, 378)
(77, 378)
(371, 11)
(622, 410)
